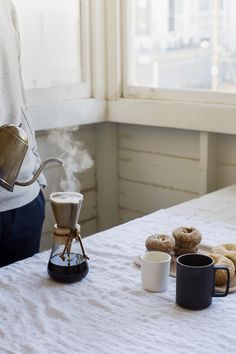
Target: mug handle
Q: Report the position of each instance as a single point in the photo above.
(218, 294)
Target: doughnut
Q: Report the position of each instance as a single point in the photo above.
(187, 237)
(181, 250)
(228, 250)
(221, 275)
(160, 242)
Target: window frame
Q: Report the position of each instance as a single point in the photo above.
(112, 101)
(70, 91)
(177, 109)
(77, 104)
(175, 95)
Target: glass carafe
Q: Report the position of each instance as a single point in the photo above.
(68, 261)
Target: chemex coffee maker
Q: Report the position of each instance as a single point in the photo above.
(68, 261)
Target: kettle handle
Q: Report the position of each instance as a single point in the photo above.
(43, 164)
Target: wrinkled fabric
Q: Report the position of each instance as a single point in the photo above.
(108, 311)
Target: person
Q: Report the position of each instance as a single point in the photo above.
(22, 211)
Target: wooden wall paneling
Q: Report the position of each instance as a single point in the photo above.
(227, 160)
(160, 171)
(89, 206)
(127, 215)
(87, 179)
(151, 167)
(107, 175)
(227, 148)
(87, 135)
(208, 174)
(53, 176)
(142, 198)
(49, 218)
(158, 167)
(88, 227)
(164, 157)
(226, 175)
(166, 142)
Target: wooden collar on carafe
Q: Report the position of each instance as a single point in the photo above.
(65, 231)
(63, 235)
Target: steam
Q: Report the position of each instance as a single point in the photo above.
(75, 157)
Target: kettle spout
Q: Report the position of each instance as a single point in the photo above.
(43, 164)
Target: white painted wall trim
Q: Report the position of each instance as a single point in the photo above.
(208, 174)
(107, 175)
(98, 49)
(199, 117)
(216, 118)
(113, 49)
(67, 114)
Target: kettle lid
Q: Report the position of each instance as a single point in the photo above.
(15, 131)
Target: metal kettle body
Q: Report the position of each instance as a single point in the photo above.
(13, 148)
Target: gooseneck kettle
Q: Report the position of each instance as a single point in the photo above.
(13, 148)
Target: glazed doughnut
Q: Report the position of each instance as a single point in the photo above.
(228, 250)
(187, 237)
(221, 275)
(160, 242)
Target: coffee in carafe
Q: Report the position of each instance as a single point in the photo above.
(68, 261)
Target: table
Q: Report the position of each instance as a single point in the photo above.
(108, 312)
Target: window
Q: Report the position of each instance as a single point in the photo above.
(184, 37)
(171, 15)
(54, 46)
(142, 14)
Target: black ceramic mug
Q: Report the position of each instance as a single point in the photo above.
(195, 281)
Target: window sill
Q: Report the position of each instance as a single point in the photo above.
(68, 113)
(208, 117)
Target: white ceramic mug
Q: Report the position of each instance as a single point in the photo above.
(155, 268)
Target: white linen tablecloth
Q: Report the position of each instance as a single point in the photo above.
(108, 312)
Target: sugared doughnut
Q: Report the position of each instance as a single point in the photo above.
(228, 250)
(160, 242)
(221, 275)
(181, 250)
(187, 237)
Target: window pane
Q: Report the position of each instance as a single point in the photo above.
(50, 37)
(182, 44)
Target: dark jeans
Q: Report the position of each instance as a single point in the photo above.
(20, 231)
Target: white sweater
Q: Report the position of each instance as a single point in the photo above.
(13, 108)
